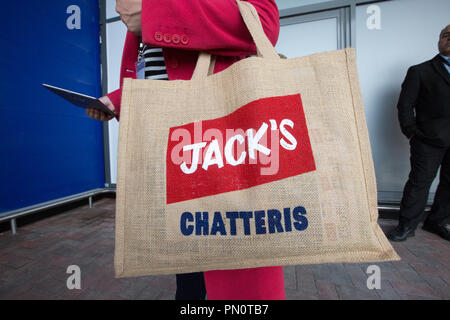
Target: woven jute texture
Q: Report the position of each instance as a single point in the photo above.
(339, 196)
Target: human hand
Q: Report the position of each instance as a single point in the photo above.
(100, 115)
(130, 14)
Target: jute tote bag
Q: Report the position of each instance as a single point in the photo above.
(266, 163)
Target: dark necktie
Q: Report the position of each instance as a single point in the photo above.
(446, 62)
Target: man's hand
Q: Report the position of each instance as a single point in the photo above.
(130, 14)
(100, 115)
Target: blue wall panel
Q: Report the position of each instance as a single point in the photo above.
(48, 148)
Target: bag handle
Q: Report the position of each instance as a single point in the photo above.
(264, 48)
(205, 65)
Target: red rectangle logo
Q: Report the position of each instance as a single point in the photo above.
(263, 141)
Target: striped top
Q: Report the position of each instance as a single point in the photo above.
(155, 68)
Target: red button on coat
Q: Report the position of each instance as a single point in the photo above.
(184, 39)
(167, 38)
(176, 38)
(158, 36)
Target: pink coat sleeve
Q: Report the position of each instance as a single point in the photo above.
(115, 97)
(205, 25)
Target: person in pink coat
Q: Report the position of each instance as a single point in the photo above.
(182, 28)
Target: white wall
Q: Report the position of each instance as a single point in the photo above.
(115, 36)
(301, 39)
(111, 9)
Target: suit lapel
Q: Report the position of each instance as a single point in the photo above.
(438, 65)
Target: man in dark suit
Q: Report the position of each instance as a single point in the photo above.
(424, 114)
